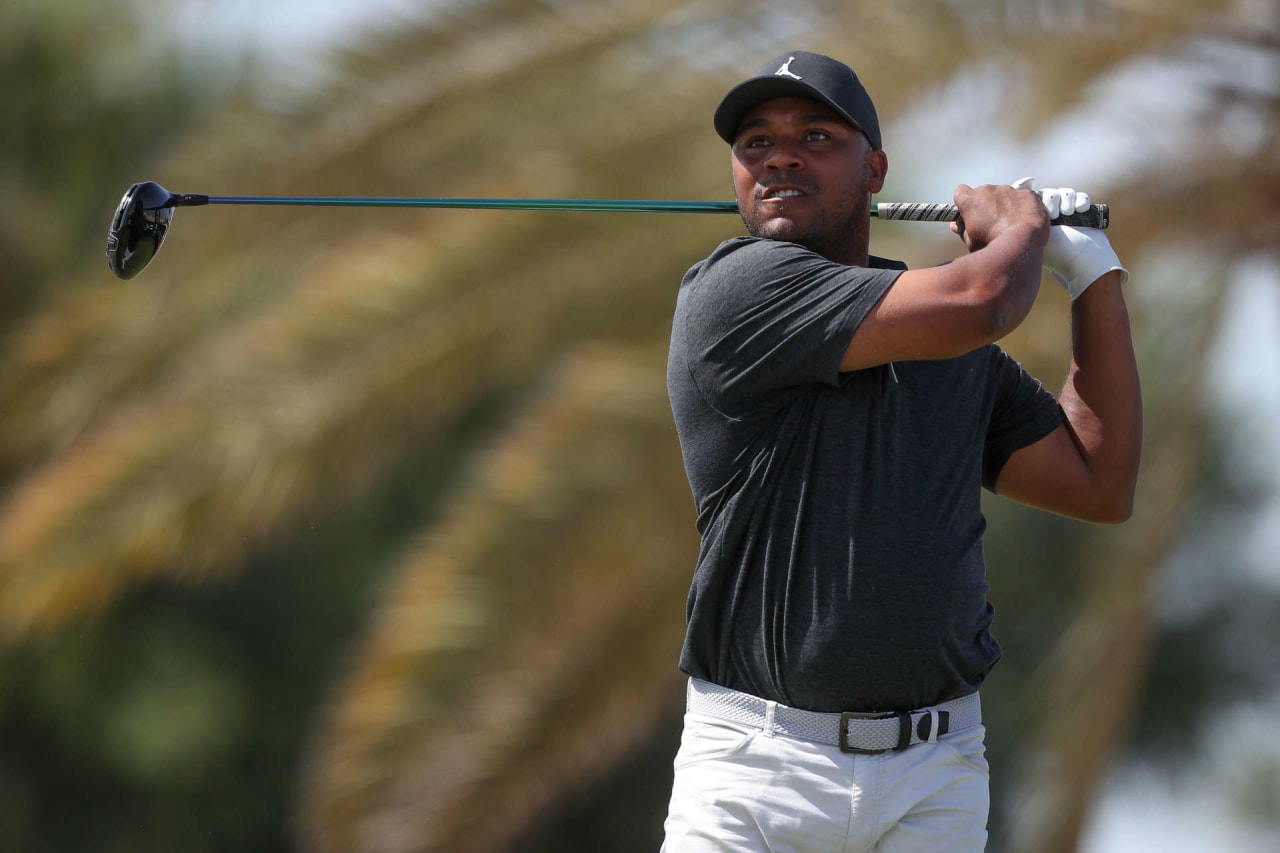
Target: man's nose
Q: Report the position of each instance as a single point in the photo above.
(784, 155)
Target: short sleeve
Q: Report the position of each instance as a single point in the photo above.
(761, 317)
(1024, 412)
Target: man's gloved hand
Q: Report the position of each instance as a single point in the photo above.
(1076, 257)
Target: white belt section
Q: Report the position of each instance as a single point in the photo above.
(867, 734)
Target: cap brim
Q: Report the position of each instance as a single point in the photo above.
(745, 95)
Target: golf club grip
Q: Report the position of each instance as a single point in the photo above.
(1096, 216)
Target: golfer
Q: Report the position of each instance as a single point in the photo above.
(839, 415)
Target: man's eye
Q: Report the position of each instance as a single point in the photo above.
(817, 135)
(756, 142)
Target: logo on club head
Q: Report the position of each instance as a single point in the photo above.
(785, 70)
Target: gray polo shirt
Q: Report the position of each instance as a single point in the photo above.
(841, 564)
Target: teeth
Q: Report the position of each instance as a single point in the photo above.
(787, 194)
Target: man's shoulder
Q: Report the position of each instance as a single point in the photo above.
(738, 258)
(749, 249)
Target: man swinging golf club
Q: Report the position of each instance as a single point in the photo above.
(838, 416)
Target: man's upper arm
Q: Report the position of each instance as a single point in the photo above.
(1050, 474)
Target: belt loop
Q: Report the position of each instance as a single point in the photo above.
(769, 708)
(935, 727)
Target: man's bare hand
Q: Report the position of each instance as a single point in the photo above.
(990, 210)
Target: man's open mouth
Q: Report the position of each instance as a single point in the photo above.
(782, 193)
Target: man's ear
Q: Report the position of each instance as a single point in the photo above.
(878, 169)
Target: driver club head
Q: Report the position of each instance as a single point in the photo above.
(138, 228)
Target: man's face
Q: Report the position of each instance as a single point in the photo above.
(805, 175)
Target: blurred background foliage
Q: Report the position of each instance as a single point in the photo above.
(366, 530)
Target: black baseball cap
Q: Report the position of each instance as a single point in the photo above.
(800, 74)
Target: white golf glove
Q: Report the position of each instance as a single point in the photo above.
(1075, 257)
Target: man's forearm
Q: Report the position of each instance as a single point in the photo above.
(1102, 396)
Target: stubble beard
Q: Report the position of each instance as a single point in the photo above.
(838, 234)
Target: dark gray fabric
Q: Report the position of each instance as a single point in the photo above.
(841, 565)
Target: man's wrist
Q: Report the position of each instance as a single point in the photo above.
(1106, 286)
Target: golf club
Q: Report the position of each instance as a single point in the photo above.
(146, 211)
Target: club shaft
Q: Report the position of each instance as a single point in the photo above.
(1096, 216)
(619, 205)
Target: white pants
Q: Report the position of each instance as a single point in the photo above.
(738, 788)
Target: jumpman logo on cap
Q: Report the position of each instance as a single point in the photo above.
(785, 70)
